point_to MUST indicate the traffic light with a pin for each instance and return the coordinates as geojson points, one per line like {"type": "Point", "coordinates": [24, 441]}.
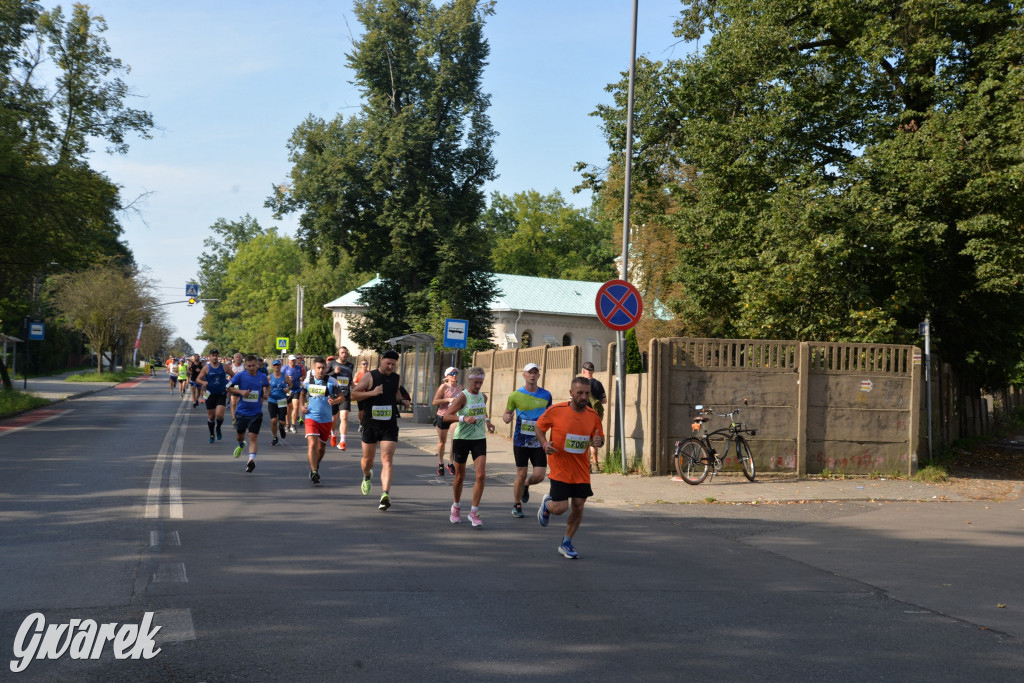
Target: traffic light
{"type": "Point", "coordinates": [192, 300]}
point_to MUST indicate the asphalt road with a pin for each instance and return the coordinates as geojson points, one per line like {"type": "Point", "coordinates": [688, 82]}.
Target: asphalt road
{"type": "Point", "coordinates": [265, 577]}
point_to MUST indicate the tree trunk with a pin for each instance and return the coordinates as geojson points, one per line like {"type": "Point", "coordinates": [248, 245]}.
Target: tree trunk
{"type": "Point", "coordinates": [5, 376]}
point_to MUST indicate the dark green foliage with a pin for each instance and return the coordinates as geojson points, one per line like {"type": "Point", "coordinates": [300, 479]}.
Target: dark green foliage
{"type": "Point", "coordinates": [634, 360]}
{"type": "Point", "coordinates": [847, 169]}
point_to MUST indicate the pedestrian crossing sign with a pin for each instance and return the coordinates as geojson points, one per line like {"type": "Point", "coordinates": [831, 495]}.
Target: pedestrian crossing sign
{"type": "Point", "coordinates": [191, 289]}
{"type": "Point", "coordinates": [282, 343]}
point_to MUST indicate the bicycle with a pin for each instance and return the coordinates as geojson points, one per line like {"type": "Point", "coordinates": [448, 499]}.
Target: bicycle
{"type": "Point", "coordinates": [695, 457]}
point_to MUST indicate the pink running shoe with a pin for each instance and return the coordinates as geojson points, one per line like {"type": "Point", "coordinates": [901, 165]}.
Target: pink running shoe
{"type": "Point", "coordinates": [456, 516]}
{"type": "Point", "coordinates": [475, 519]}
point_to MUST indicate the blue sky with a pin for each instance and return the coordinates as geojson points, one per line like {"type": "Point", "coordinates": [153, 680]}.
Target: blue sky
{"type": "Point", "coordinates": [228, 81]}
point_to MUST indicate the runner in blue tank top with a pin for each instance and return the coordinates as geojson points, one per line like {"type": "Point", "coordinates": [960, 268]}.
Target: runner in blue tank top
{"type": "Point", "coordinates": [319, 394]}
{"type": "Point", "coordinates": [213, 379]}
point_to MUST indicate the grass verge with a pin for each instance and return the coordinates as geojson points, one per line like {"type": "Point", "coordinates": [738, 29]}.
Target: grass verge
{"type": "Point", "coordinates": [93, 376]}
{"type": "Point", "coordinates": [15, 401]}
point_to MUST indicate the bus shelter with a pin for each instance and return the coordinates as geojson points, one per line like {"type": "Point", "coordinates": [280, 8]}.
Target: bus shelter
{"type": "Point", "coordinates": [417, 368]}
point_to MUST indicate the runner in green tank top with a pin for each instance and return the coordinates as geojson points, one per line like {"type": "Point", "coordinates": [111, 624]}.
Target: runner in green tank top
{"type": "Point", "coordinates": [469, 409]}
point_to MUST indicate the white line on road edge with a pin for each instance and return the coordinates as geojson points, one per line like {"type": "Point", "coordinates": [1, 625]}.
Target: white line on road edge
{"type": "Point", "coordinates": [174, 484]}
{"type": "Point", "coordinates": [153, 497]}
{"type": "Point", "coordinates": [170, 572]}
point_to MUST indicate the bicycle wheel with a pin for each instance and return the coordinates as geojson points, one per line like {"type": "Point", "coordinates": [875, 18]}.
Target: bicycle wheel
{"type": "Point", "coordinates": [746, 460]}
{"type": "Point", "coordinates": [692, 461]}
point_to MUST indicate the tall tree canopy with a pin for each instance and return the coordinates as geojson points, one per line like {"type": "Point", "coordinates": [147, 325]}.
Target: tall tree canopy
{"type": "Point", "coordinates": [60, 91]}
{"type": "Point", "coordinates": [544, 236]}
{"type": "Point", "coordinates": [852, 168]}
{"type": "Point", "coordinates": [399, 185]}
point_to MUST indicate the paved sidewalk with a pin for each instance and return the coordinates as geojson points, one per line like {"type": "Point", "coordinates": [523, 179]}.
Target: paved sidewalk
{"type": "Point", "coordinates": [54, 388]}
{"type": "Point", "coordinates": [618, 490]}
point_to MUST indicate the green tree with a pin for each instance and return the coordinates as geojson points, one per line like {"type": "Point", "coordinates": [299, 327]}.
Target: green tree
{"type": "Point", "coordinates": [219, 250]}
{"type": "Point", "coordinates": [259, 300]}
{"type": "Point", "coordinates": [856, 167]}
{"type": "Point", "coordinates": [544, 236]}
{"type": "Point", "coordinates": [106, 303]}
{"type": "Point", "coordinates": [60, 91]}
{"type": "Point", "coordinates": [634, 359]}
{"type": "Point", "coordinates": [399, 186]}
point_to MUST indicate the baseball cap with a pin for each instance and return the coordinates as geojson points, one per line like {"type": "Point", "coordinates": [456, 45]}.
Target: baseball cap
{"type": "Point", "coordinates": [330, 357]}
{"type": "Point", "coordinates": [214, 351]}
{"type": "Point", "coordinates": [588, 365]}
{"type": "Point", "coordinates": [531, 366]}
{"type": "Point", "coordinates": [291, 357]}
{"type": "Point", "coordinates": [277, 361]}
{"type": "Point", "coordinates": [451, 371]}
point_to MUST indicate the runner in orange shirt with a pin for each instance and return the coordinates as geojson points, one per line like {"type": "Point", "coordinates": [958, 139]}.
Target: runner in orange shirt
{"type": "Point", "coordinates": [574, 427]}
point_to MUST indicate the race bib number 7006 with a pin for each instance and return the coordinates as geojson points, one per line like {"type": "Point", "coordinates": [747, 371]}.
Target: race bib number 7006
{"type": "Point", "coordinates": [576, 443]}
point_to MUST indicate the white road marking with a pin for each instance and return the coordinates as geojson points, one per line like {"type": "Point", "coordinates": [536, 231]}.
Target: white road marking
{"type": "Point", "coordinates": [176, 626]}
{"type": "Point", "coordinates": [153, 497]}
{"type": "Point", "coordinates": [174, 484]}
{"type": "Point", "coordinates": [170, 572]}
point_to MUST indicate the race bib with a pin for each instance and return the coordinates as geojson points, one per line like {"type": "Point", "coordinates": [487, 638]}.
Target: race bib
{"type": "Point", "coordinates": [528, 427]}
{"type": "Point", "coordinates": [206, 394]}
{"type": "Point", "coordinates": [251, 397]}
{"type": "Point", "coordinates": [381, 412]}
{"type": "Point", "coordinates": [576, 443]}
{"type": "Point", "coordinates": [282, 403]}
{"type": "Point", "coordinates": [316, 390]}
{"type": "Point", "coordinates": [478, 411]}
{"type": "Point", "coordinates": [343, 381]}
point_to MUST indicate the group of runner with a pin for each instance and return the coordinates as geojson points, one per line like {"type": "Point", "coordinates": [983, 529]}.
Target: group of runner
{"type": "Point", "coordinates": [565, 431]}
{"type": "Point", "coordinates": [318, 398]}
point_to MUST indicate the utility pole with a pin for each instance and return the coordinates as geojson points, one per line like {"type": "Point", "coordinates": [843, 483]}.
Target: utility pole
{"type": "Point", "coordinates": [300, 295]}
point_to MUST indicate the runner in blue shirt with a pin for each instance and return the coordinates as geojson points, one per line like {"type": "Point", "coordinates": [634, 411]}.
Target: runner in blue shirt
{"type": "Point", "coordinates": [528, 403]}
{"type": "Point", "coordinates": [251, 387]}
{"type": "Point", "coordinates": [277, 403]}
{"type": "Point", "coordinates": [319, 394]}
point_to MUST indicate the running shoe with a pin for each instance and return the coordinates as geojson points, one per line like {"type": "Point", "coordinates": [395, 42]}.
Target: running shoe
{"type": "Point", "coordinates": [568, 552]}
{"type": "Point", "coordinates": [451, 468]}
{"type": "Point", "coordinates": [211, 438]}
{"type": "Point", "coordinates": [474, 517]}
{"type": "Point", "coordinates": [517, 511]}
{"type": "Point", "coordinates": [365, 486]}
{"type": "Point", "coordinates": [195, 404]}
{"type": "Point", "coordinates": [341, 445]}
{"type": "Point", "coordinates": [385, 502]}
{"type": "Point", "coordinates": [542, 512]}
{"type": "Point", "coordinates": [334, 441]}
{"type": "Point", "coordinates": [526, 494]}
{"type": "Point", "coordinates": [251, 466]}
{"type": "Point", "coordinates": [314, 477]}
{"type": "Point", "coordinates": [220, 435]}
{"type": "Point", "coordinates": [238, 451]}
{"type": "Point", "coordinates": [281, 427]}
{"type": "Point", "coordinates": [274, 441]}
{"type": "Point", "coordinates": [456, 516]}
{"type": "Point", "coordinates": [291, 429]}
{"type": "Point", "coordinates": [440, 470]}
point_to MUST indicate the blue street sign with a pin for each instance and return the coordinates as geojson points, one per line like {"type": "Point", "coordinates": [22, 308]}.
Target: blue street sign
{"type": "Point", "coordinates": [455, 333]}
{"type": "Point", "coordinates": [191, 289]}
{"type": "Point", "coordinates": [36, 331]}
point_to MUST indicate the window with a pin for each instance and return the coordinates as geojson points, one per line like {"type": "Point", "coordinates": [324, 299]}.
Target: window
{"type": "Point", "coordinates": [527, 340]}
{"type": "Point", "coordinates": [566, 339]}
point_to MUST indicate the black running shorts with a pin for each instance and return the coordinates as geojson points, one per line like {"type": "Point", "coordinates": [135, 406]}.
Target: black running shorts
{"type": "Point", "coordinates": [214, 400]}
{"type": "Point", "coordinates": [462, 448]}
{"type": "Point", "coordinates": [525, 455]}
{"type": "Point", "coordinates": [380, 430]}
{"type": "Point", "coordinates": [248, 423]}
{"type": "Point", "coordinates": [562, 491]}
